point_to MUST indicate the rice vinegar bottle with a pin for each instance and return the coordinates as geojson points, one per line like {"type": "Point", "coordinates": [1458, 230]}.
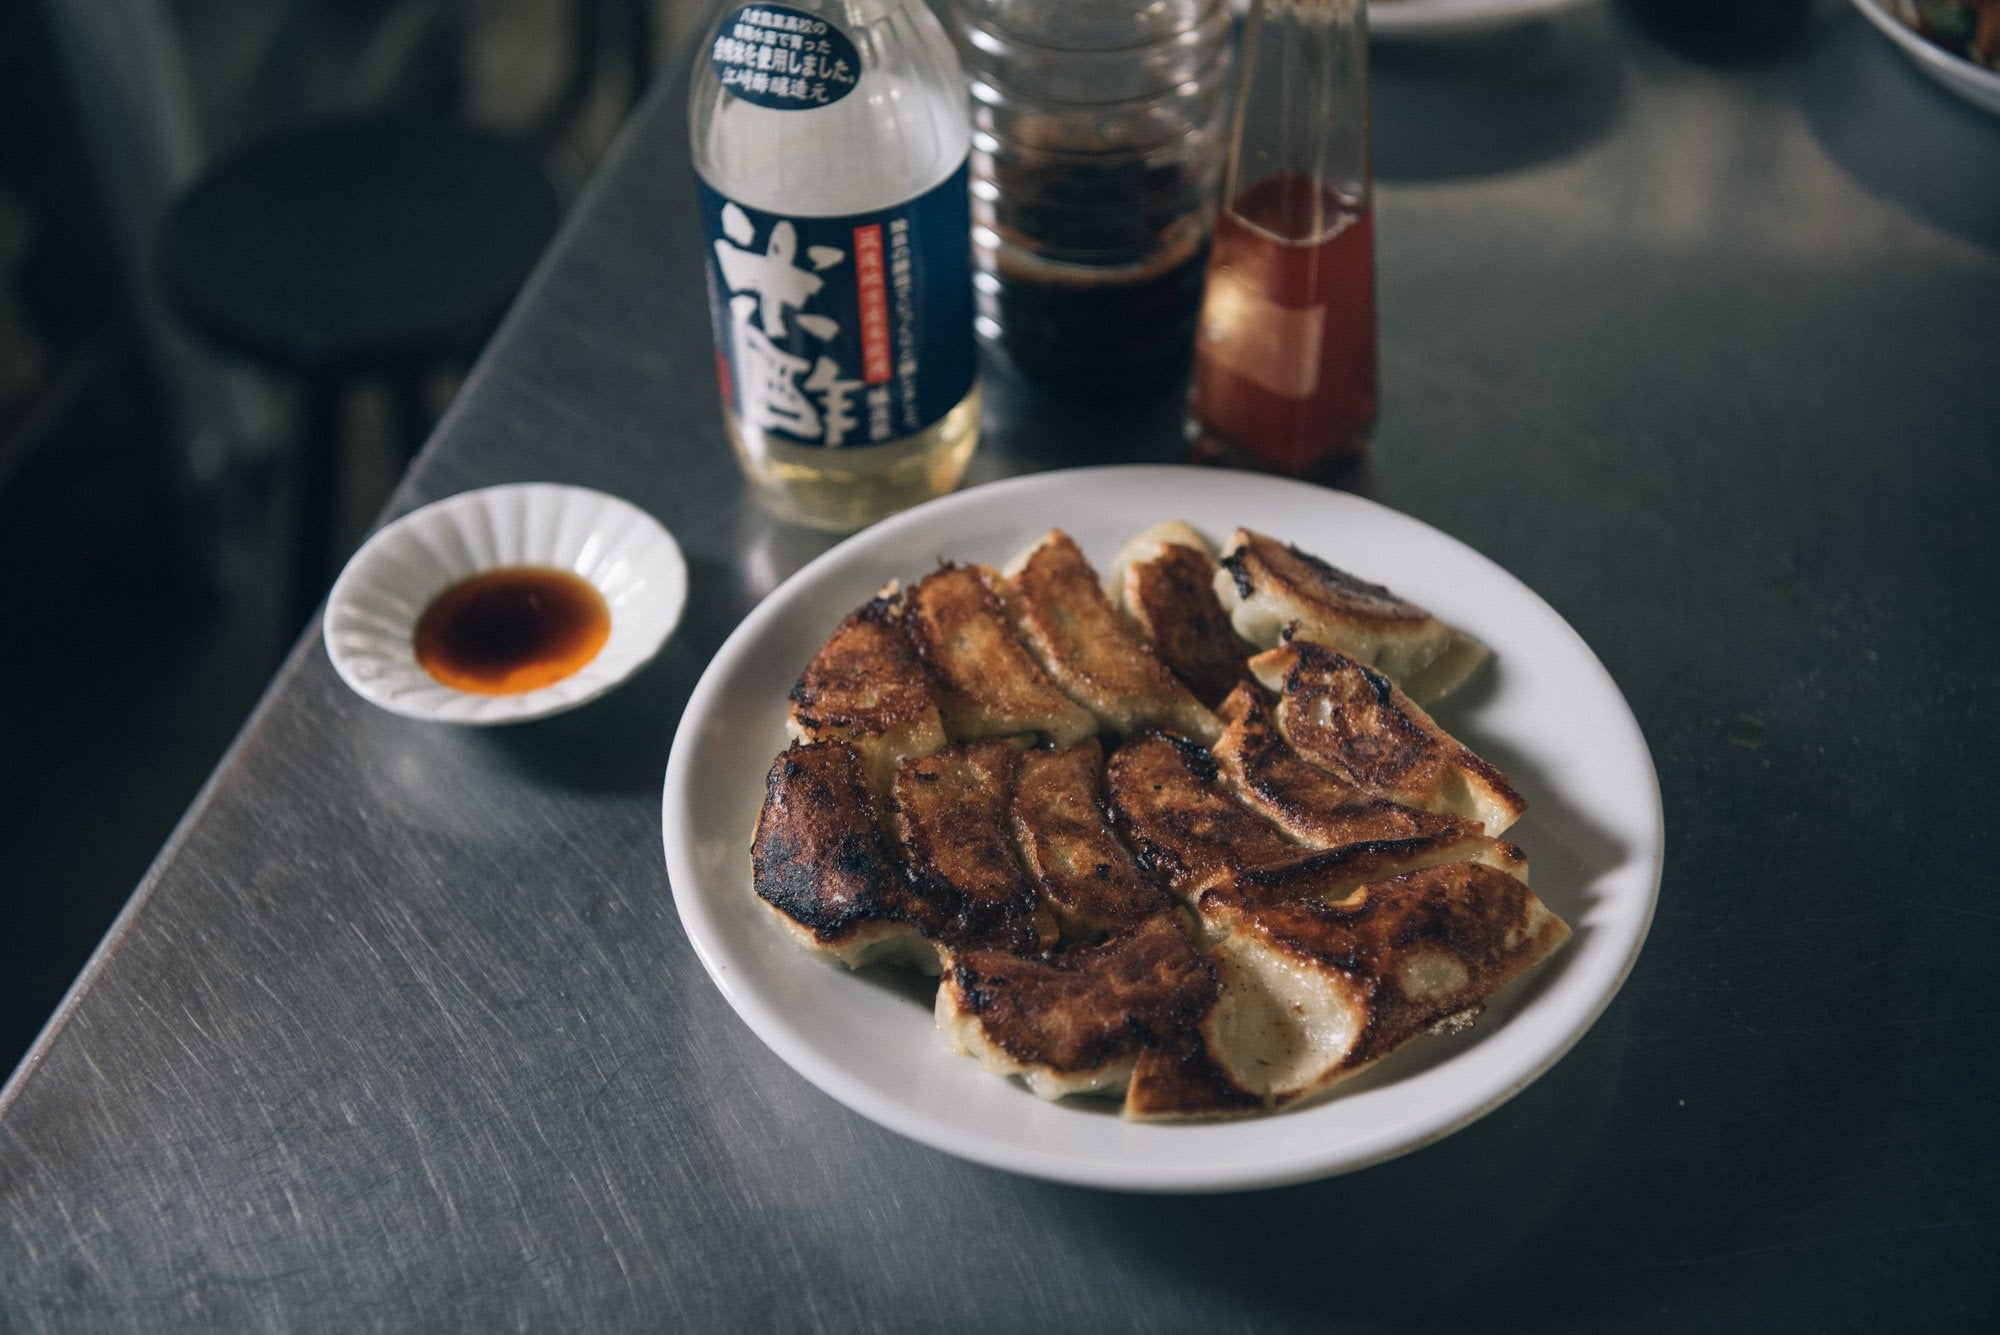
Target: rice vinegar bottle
{"type": "Point", "coordinates": [830, 140]}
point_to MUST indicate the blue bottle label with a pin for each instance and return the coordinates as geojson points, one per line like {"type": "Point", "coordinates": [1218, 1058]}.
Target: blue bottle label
{"type": "Point", "coordinates": [784, 58]}
{"type": "Point", "coordinates": [844, 331]}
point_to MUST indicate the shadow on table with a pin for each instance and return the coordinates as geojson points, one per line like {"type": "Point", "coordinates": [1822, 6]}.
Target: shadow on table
{"type": "Point", "coordinates": [1493, 102]}
{"type": "Point", "coordinates": [1442, 1232]}
{"type": "Point", "coordinates": [1899, 134]}
{"type": "Point", "coordinates": [618, 743]}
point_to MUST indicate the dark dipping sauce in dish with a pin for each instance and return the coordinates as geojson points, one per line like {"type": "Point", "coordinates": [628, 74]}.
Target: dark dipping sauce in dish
{"type": "Point", "coordinates": [511, 630]}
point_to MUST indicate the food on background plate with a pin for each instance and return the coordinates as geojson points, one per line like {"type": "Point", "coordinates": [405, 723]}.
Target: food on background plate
{"type": "Point", "coordinates": [1966, 28]}
{"type": "Point", "coordinates": [1180, 836]}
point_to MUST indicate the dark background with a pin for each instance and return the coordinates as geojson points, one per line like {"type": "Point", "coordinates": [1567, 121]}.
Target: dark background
{"type": "Point", "coordinates": [146, 477]}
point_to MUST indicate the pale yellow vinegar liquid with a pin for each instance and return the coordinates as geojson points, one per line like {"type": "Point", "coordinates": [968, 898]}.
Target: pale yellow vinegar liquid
{"type": "Point", "coordinates": [843, 489]}
{"type": "Point", "coordinates": [904, 130]}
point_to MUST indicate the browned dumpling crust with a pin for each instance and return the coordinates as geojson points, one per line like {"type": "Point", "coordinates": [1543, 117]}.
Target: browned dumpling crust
{"type": "Point", "coordinates": [950, 814]}
{"type": "Point", "coordinates": [1187, 832]}
{"type": "Point", "coordinates": [1311, 804]}
{"type": "Point", "coordinates": [865, 686]}
{"type": "Point", "coordinates": [986, 682]}
{"type": "Point", "coordinates": [1089, 878]}
{"type": "Point", "coordinates": [1077, 1022]}
{"type": "Point", "coordinates": [1169, 592]}
{"type": "Point", "coordinates": [1355, 722]}
{"type": "Point", "coordinates": [820, 862]}
{"type": "Point", "coordinates": [1091, 651]}
{"type": "Point", "coordinates": [1326, 875]}
{"type": "Point", "coordinates": [1276, 592]}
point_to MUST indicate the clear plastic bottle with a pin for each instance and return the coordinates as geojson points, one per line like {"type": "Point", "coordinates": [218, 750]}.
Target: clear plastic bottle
{"type": "Point", "coordinates": [831, 141]}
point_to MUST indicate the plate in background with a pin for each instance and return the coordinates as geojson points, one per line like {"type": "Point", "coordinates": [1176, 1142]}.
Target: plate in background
{"type": "Point", "coordinates": [1975, 83]}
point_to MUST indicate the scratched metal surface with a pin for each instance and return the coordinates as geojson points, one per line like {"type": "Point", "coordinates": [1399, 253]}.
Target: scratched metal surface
{"type": "Point", "coordinates": [402, 1032]}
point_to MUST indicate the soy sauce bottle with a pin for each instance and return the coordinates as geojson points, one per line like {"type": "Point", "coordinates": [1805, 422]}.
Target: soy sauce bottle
{"type": "Point", "coordinates": [830, 139]}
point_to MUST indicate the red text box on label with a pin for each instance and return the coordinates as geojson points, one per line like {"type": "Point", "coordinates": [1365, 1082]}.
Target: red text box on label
{"type": "Point", "coordinates": [871, 287]}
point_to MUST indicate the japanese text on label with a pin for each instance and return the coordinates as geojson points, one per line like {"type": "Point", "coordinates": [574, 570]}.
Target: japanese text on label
{"type": "Point", "coordinates": [805, 397]}
{"type": "Point", "coordinates": [781, 58]}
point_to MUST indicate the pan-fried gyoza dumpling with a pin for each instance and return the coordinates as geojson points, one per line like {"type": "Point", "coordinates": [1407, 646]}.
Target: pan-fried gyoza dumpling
{"type": "Point", "coordinates": [1276, 592]}
{"type": "Point", "coordinates": [1094, 654]}
{"type": "Point", "coordinates": [866, 687]}
{"type": "Point", "coordinates": [1087, 876]}
{"type": "Point", "coordinates": [820, 863]}
{"type": "Point", "coordinates": [1313, 805]}
{"type": "Point", "coordinates": [987, 684]}
{"type": "Point", "coordinates": [951, 817]}
{"type": "Point", "coordinates": [1331, 874]}
{"type": "Point", "coordinates": [1164, 579]}
{"type": "Point", "coordinates": [1314, 991]}
{"type": "Point", "coordinates": [1186, 831]}
{"type": "Point", "coordinates": [1076, 1023]}
{"type": "Point", "coordinates": [1353, 721]}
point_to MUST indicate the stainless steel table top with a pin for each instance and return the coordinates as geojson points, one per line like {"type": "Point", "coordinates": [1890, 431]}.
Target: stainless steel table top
{"type": "Point", "coordinates": [402, 1031]}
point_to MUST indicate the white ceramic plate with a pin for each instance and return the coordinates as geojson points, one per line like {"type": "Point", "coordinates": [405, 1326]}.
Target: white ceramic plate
{"type": "Point", "coordinates": [1974, 83]}
{"type": "Point", "coordinates": [622, 550]}
{"type": "Point", "coordinates": [1450, 18]}
{"type": "Point", "coordinates": [1544, 711]}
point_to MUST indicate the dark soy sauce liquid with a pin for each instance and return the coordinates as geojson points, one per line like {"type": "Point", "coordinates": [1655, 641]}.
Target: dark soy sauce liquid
{"type": "Point", "coordinates": [512, 630]}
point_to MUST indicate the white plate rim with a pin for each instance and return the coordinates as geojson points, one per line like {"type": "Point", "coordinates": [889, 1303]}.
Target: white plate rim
{"type": "Point", "coordinates": [951, 1105]}
{"type": "Point", "coordinates": [1974, 83]}
{"type": "Point", "coordinates": [624, 551]}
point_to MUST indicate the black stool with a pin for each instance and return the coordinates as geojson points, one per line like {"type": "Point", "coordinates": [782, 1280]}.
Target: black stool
{"type": "Point", "coordinates": [380, 249]}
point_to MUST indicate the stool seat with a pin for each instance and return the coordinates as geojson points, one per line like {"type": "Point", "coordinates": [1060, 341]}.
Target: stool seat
{"type": "Point", "coordinates": [360, 246]}
{"type": "Point", "coordinates": [383, 248]}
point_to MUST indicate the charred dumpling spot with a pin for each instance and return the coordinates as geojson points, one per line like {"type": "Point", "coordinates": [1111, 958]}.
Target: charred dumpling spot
{"type": "Point", "coordinates": [819, 862]}
{"type": "Point", "coordinates": [1184, 1081]}
{"type": "Point", "coordinates": [1187, 832]}
{"type": "Point", "coordinates": [1164, 579]}
{"type": "Point", "coordinates": [1089, 649]}
{"type": "Point", "coordinates": [950, 814]}
{"type": "Point", "coordinates": [1329, 875]}
{"type": "Point", "coordinates": [1077, 1022]}
{"type": "Point", "coordinates": [1354, 722]}
{"type": "Point", "coordinates": [1314, 991]}
{"type": "Point", "coordinates": [986, 683]}
{"type": "Point", "coordinates": [1311, 804]}
{"type": "Point", "coordinates": [1276, 592]}
{"type": "Point", "coordinates": [866, 687]}
{"type": "Point", "coordinates": [1087, 876]}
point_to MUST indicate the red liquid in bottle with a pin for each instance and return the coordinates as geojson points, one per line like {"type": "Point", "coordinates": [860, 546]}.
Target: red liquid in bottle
{"type": "Point", "coordinates": [1285, 370]}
